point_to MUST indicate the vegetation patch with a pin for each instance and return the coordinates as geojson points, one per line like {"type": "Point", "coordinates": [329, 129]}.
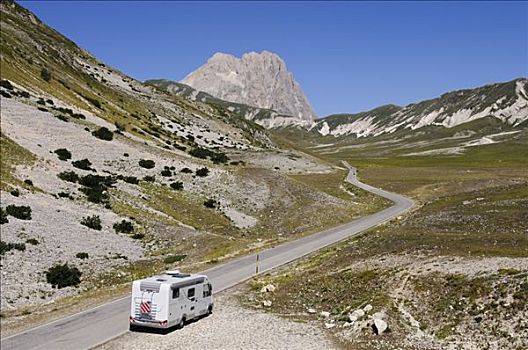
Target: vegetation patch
{"type": "Point", "coordinates": [22, 212]}
{"type": "Point", "coordinates": [93, 222]}
{"type": "Point", "coordinates": [103, 133]}
{"type": "Point", "coordinates": [62, 275]}
{"type": "Point", "coordinates": [171, 259]}
{"type": "Point", "coordinates": [147, 163]}
{"type": "Point", "coordinates": [5, 247]}
{"type": "Point", "coordinates": [69, 176]}
{"type": "Point", "coordinates": [123, 226]}
{"type": "Point", "coordinates": [176, 185]}
{"type": "Point", "coordinates": [202, 172]}
{"type": "Point", "coordinates": [83, 164]}
{"type": "Point", "coordinates": [63, 154]}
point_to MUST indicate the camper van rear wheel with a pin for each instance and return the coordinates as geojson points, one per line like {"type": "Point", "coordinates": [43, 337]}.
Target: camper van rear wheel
{"type": "Point", "coordinates": [182, 323]}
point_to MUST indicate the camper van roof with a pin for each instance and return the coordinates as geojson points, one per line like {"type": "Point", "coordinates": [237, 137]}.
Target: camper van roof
{"type": "Point", "coordinates": [171, 277]}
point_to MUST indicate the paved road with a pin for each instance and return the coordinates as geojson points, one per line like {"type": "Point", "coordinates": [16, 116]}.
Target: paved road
{"type": "Point", "coordinates": [95, 326]}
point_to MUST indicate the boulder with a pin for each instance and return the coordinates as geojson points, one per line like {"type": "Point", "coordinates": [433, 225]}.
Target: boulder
{"type": "Point", "coordinates": [367, 308]}
{"type": "Point", "coordinates": [268, 288]}
{"type": "Point", "coordinates": [379, 315]}
{"type": "Point", "coordinates": [311, 311]}
{"type": "Point", "coordinates": [379, 326]}
{"type": "Point", "coordinates": [329, 325]}
{"type": "Point", "coordinates": [358, 313]}
{"type": "Point", "coordinates": [348, 324]}
{"type": "Point", "coordinates": [267, 303]}
{"type": "Point", "coordinates": [325, 314]}
{"type": "Point", "coordinates": [352, 317]}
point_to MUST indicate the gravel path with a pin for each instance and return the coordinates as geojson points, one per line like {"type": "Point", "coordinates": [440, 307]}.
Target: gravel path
{"type": "Point", "coordinates": [231, 326]}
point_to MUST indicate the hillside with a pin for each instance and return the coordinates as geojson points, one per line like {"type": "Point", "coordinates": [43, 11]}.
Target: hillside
{"type": "Point", "coordinates": [120, 179]}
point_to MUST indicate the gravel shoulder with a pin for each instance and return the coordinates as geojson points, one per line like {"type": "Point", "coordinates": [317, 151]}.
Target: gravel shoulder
{"type": "Point", "coordinates": [231, 326]}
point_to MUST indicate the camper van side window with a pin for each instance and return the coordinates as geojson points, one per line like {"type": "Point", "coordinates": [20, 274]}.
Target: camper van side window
{"type": "Point", "coordinates": [175, 293]}
{"type": "Point", "coordinates": [190, 292]}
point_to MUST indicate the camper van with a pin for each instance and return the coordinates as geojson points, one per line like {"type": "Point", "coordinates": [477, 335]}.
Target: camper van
{"type": "Point", "coordinates": [169, 300]}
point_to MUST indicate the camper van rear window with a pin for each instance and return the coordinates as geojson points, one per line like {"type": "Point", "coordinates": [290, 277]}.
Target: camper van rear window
{"type": "Point", "coordinates": [149, 287]}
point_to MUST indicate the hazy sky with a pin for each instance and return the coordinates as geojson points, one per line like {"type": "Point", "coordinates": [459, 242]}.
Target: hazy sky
{"type": "Point", "coordinates": [347, 56]}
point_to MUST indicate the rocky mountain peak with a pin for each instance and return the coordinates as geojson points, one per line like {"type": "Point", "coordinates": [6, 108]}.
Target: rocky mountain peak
{"type": "Point", "coordinates": [256, 79]}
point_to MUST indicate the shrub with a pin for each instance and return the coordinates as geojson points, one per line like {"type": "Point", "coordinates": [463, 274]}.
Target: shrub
{"type": "Point", "coordinates": [177, 185]}
{"type": "Point", "coordinates": [147, 163]}
{"type": "Point", "coordinates": [103, 134]}
{"type": "Point", "coordinates": [63, 153]}
{"type": "Point", "coordinates": [82, 255]}
{"type": "Point", "coordinates": [174, 258]}
{"type": "Point", "coordinates": [137, 236]}
{"type": "Point", "coordinates": [5, 247]}
{"type": "Point", "coordinates": [202, 172]}
{"type": "Point", "coordinates": [41, 101]}
{"type": "Point", "coordinates": [91, 180]}
{"type": "Point", "coordinates": [166, 172]}
{"type": "Point", "coordinates": [186, 171]}
{"type": "Point", "coordinates": [6, 84]}
{"type": "Point", "coordinates": [83, 164]}
{"type": "Point", "coordinates": [32, 241]}
{"type": "Point", "coordinates": [126, 155]}
{"type": "Point", "coordinates": [3, 217]}
{"type": "Point", "coordinates": [15, 192]}
{"type": "Point", "coordinates": [93, 222]}
{"type": "Point", "coordinates": [131, 180]}
{"type": "Point", "coordinates": [70, 176]}
{"type": "Point", "coordinates": [28, 182]}
{"type": "Point", "coordinates": [149, 178]}
{"type": "Point", "coordinates": [124, 226]}
{"type": "Point", "coordinates": [219, 158]}
{"type": "Point", "coordinates": [210, 203]}
{"type": "Point", "coordinates": [64, 195]}
{"type": "Point", "coordinates": [45, 74]}
{"type": "Point", "coordinates": [61, 117]}
{"type": "Point", "coordinates": [60, 276]}
{"type": "Point", "coordinates": [95, 194]}
{"type": "Point", "coordinates": [22, 212]}
{"type": "Point", "coordinates": [200, 152]}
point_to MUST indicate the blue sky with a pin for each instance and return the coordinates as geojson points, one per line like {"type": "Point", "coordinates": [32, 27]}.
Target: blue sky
{"type": "Point", "coordinates": [347, 56]}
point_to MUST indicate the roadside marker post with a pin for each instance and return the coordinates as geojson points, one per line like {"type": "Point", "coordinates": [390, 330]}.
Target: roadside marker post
{"type": "Point", "coordinates": [257, 264]}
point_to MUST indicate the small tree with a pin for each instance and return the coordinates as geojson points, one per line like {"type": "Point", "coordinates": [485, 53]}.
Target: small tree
{"type": "Point", "coordinates": [103, 134]}
{"type": "Point", "coordinates": [82, 255]}
{"type": "Point", "coordinates": [70, 176]}
{"type": "Point", "coordinates": [202, 172]}
{"type": "Point", "coordinates": [166, 172]}
{"type": "Point", "coordinates": [60, 276]}
{"type": "Point", "coordinates": [186, 171]}
{"type": "Point", "coordinates": [147, 163]}
{"type": "Point", "coordinates": [83, 164]}
{"type": "Point", "coordinates": [93, 222]}
{"type": "Point", "coordinates": [63, 153]}
{"type": "Point", "coordinates": [177, 185]}
{"type": "Point", "coordinates": [210, 203]}
{"type": "Point", "coordinates": [22, 212]}
{"type": "Point", "coordinates": [124, 226]}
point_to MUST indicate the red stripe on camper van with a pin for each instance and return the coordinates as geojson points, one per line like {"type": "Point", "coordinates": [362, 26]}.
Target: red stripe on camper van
{"type": "Point", "coordinates": [145, 307]}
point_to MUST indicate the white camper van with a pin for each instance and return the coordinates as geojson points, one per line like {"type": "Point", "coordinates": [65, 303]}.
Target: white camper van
{"type": "Point", "coordinates": [170, 299]}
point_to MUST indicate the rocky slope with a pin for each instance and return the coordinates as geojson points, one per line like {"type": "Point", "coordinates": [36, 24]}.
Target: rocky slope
{"type": "Point", "coordinates": [507, 102]}
{"type": "Point", "coordinates": [85, 147]}
{"type": "Point", "coordinates": [256, 79]}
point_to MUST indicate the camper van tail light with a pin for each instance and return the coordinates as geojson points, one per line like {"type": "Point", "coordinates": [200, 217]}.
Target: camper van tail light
{"type": "Point", "coordinates": [132, 319]}
{"type": "Point", "coordinates": [163, 323]}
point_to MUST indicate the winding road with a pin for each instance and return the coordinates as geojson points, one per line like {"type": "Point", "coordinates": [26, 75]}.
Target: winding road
{"type": "Point", "coordinates": [98, 325]}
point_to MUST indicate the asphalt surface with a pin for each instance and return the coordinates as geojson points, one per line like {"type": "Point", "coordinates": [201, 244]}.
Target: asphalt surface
{"type": "Point", "coordinates": [95, 326]}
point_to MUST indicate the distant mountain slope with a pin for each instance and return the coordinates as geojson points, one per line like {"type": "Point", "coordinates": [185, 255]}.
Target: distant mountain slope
{"type": "Point", "coordinates": [256, 79]}
{"type": "Point", "coordinates": [268, 118]}
{"type": "Point", "coordinates": [508, 102]}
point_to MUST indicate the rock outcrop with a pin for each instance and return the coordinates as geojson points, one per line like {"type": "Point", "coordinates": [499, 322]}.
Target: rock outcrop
{"type": "Point", "coordinates": [256, 79]}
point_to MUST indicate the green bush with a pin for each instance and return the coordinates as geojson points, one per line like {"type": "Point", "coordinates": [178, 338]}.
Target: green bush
{"type": "Point", "coordinates": [137, 236]}
{"type": "Point", "coordinates": [147, 163]}
{"type": "Point", "coordinates": [186, 171]}
{"type": "Point", "coordinates": [177, 185]}
{"type": "Point", "coordinates": [83, 164]}
{"type": "Point", "coordinates": [131, 180]}
{"type": "Point", "coordinates": [3, 217]}
{"type": "Point", "coordinates": [45, 74]}
{"type": "Point", "coordinates": [22, 212]}
{"type": "Point", "coordinates": [124, 226]}
{"type": "Point", "coordinates": [6, 84]}
{"type": "Point", "coordinates": [91, 180]}
{"type": "Point", "coordinates": [210, 203]}
{"type": "Point", "coordinates": [15, 192]}
{"type": "Point", "coordinates": [70, 176]}
{"type": "Point", "coordinates": [64, 195]}
{"type": "Point", "coordinates": [82, 255]}
{"type": "Point", "coordinates": [174, 258]}
{"type": "Point", "coordinates": [149, 178]}
{"type": "Point", "coordinates": [93, 222]}
{"type": "Point", "coordinates": [95, 194]}
{"type": "Point", "coordinates": [200, 152]}
{"type": "Point", "coordinates": [5, 247]}
{"type": "Point", "coordinates": [63, 153]}
{"type": "Point", "coordinates": [60, 276]}
{"type": "Point", "coordinates": [32, 241]}
{"type": "Point", "coordinates": [166, 173]}
{"type": "Point", "coordinates": [28, 182]}
{"type": "Point", "coordinates": [219, 158]}
{"type": "Point", "coordinates": [202, 172]}
{"type": "Point", "coordinates": [103, 134]}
